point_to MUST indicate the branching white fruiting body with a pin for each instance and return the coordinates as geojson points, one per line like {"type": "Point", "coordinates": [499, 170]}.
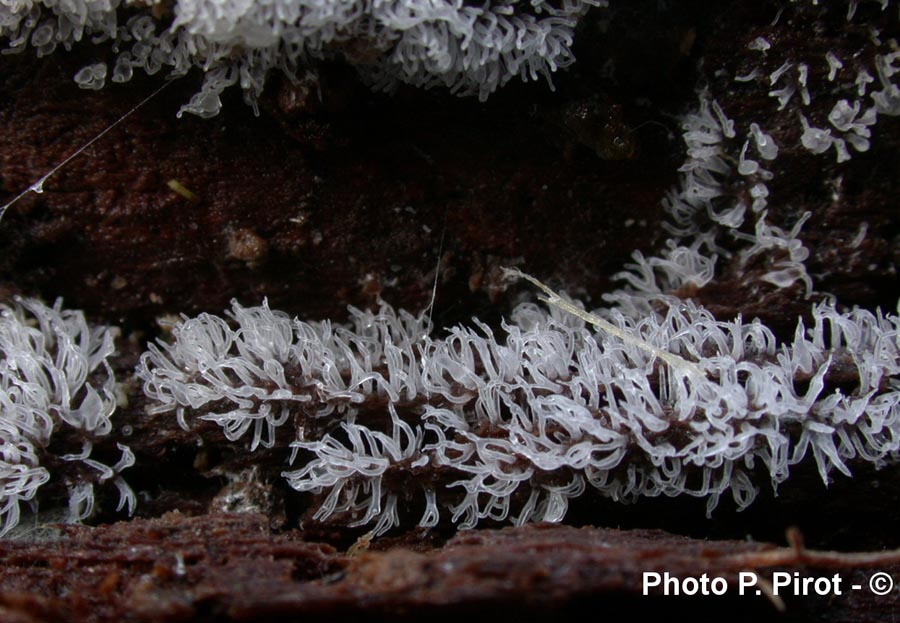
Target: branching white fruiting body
{"type": "Point", "coordinates": [54, 378]}
{"type": "Point", "coordinates": [512, 428]}
{"type": "Point", "coordinates": [468, 47]}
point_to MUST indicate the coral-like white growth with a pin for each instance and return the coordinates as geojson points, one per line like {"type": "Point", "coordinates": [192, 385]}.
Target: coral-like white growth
{"type": "Point", "coordinates": [725, 178]}
{"type": "Point", "coordinates": [468, 47]}
{"type": "Point", "coordinates": [850, 118]}
{"type": "Point", "coordinates": [55, 385]}
{"type": "Point", "coordinates": [512, 427]}
{"type": "Point", "coordinates": [257, 375]}
{"type": "Point", "coordinates": [725, 169]}
{"type": "Point", "coordinates": [477, 425]}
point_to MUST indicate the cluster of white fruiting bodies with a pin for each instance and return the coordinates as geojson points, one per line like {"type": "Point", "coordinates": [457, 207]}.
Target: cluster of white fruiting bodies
{"type": "Point", "coordinates": [56, 388]}
{"type": "Point", "coordinates": [474, 425]}
{"type": "Point", "coordinates": [386, 419]}
{"type": "Point", "coordinates": [468, 47]}
{"type": "Point", "coordinates": [513, 426]}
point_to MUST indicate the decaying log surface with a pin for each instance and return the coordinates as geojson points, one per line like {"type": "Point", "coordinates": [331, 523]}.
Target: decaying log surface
{"type": "Point", "coordinates": [232, 568]}
{"type": "Point", "coordinates": [312, 225]}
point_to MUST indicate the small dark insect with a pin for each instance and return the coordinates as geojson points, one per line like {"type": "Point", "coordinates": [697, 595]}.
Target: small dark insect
{"type": "Point", "coordinates": [596, 122]}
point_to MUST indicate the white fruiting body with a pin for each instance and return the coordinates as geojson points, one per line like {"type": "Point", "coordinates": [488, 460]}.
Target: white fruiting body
{"type": "Point", "coordinates": [54, 379]}
{"type": "Point", "coordinates": [511, 428]}
{"type": "Point", "coordinates": [470, 48]}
